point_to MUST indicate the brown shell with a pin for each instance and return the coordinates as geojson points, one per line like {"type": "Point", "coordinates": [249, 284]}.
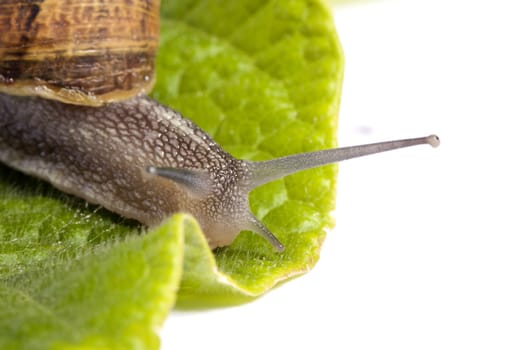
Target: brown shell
{"type": "Point", "coordinates": [78, 51]}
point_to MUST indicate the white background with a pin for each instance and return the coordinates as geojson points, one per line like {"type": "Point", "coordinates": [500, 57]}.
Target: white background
{"type": "Point", "coordinates": [429, 247]}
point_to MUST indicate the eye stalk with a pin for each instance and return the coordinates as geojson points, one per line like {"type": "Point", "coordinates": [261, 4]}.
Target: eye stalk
{"type": "Point", "coordinates": [273, 169]}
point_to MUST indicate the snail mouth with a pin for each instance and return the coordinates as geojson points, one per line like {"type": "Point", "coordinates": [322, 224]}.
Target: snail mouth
{"type": "Point", "coordinates": [222, 230]}
{"type": "Point", "coordinates": [218, 234]}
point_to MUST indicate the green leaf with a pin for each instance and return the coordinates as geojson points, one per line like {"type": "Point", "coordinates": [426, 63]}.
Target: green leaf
{"type": "Point", "coordinates": [71, 279]}
{"type": "Point", "coordinates": [264, 79]}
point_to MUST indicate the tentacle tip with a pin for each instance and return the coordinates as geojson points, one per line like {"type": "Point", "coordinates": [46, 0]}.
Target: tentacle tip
{"type": "Point", "coordinates": [151, 169]}
{"type": "Point", "coordinates": [259, 228]}
{"type": "Point", "coordinates": [278, 246]}
{"type": "Point", "coordinates": [433, 140]}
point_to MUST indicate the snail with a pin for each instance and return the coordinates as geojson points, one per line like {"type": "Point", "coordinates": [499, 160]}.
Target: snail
{"type": "Point", "coordinates": [74, 111]}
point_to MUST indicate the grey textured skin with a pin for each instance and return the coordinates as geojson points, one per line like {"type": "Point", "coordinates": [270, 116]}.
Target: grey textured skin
{"type": "Point", "coordinates": [100, 154]}
{"type": "Point", "coordinates": [145, 161]}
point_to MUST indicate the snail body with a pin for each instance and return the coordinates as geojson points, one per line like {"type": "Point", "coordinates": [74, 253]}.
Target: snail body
{"type": "Point", "coordinates": [107, 142]}
{"type": "Point", "coordinates": [145, 161]}
{"type": "Point", "coordinates": [102, 155]}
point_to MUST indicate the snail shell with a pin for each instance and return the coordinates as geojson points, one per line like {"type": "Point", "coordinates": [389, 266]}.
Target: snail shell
{"type": "Point", "coordinates": [86, 52]}
{"type": "Point", "coordinates": [73, 112]}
